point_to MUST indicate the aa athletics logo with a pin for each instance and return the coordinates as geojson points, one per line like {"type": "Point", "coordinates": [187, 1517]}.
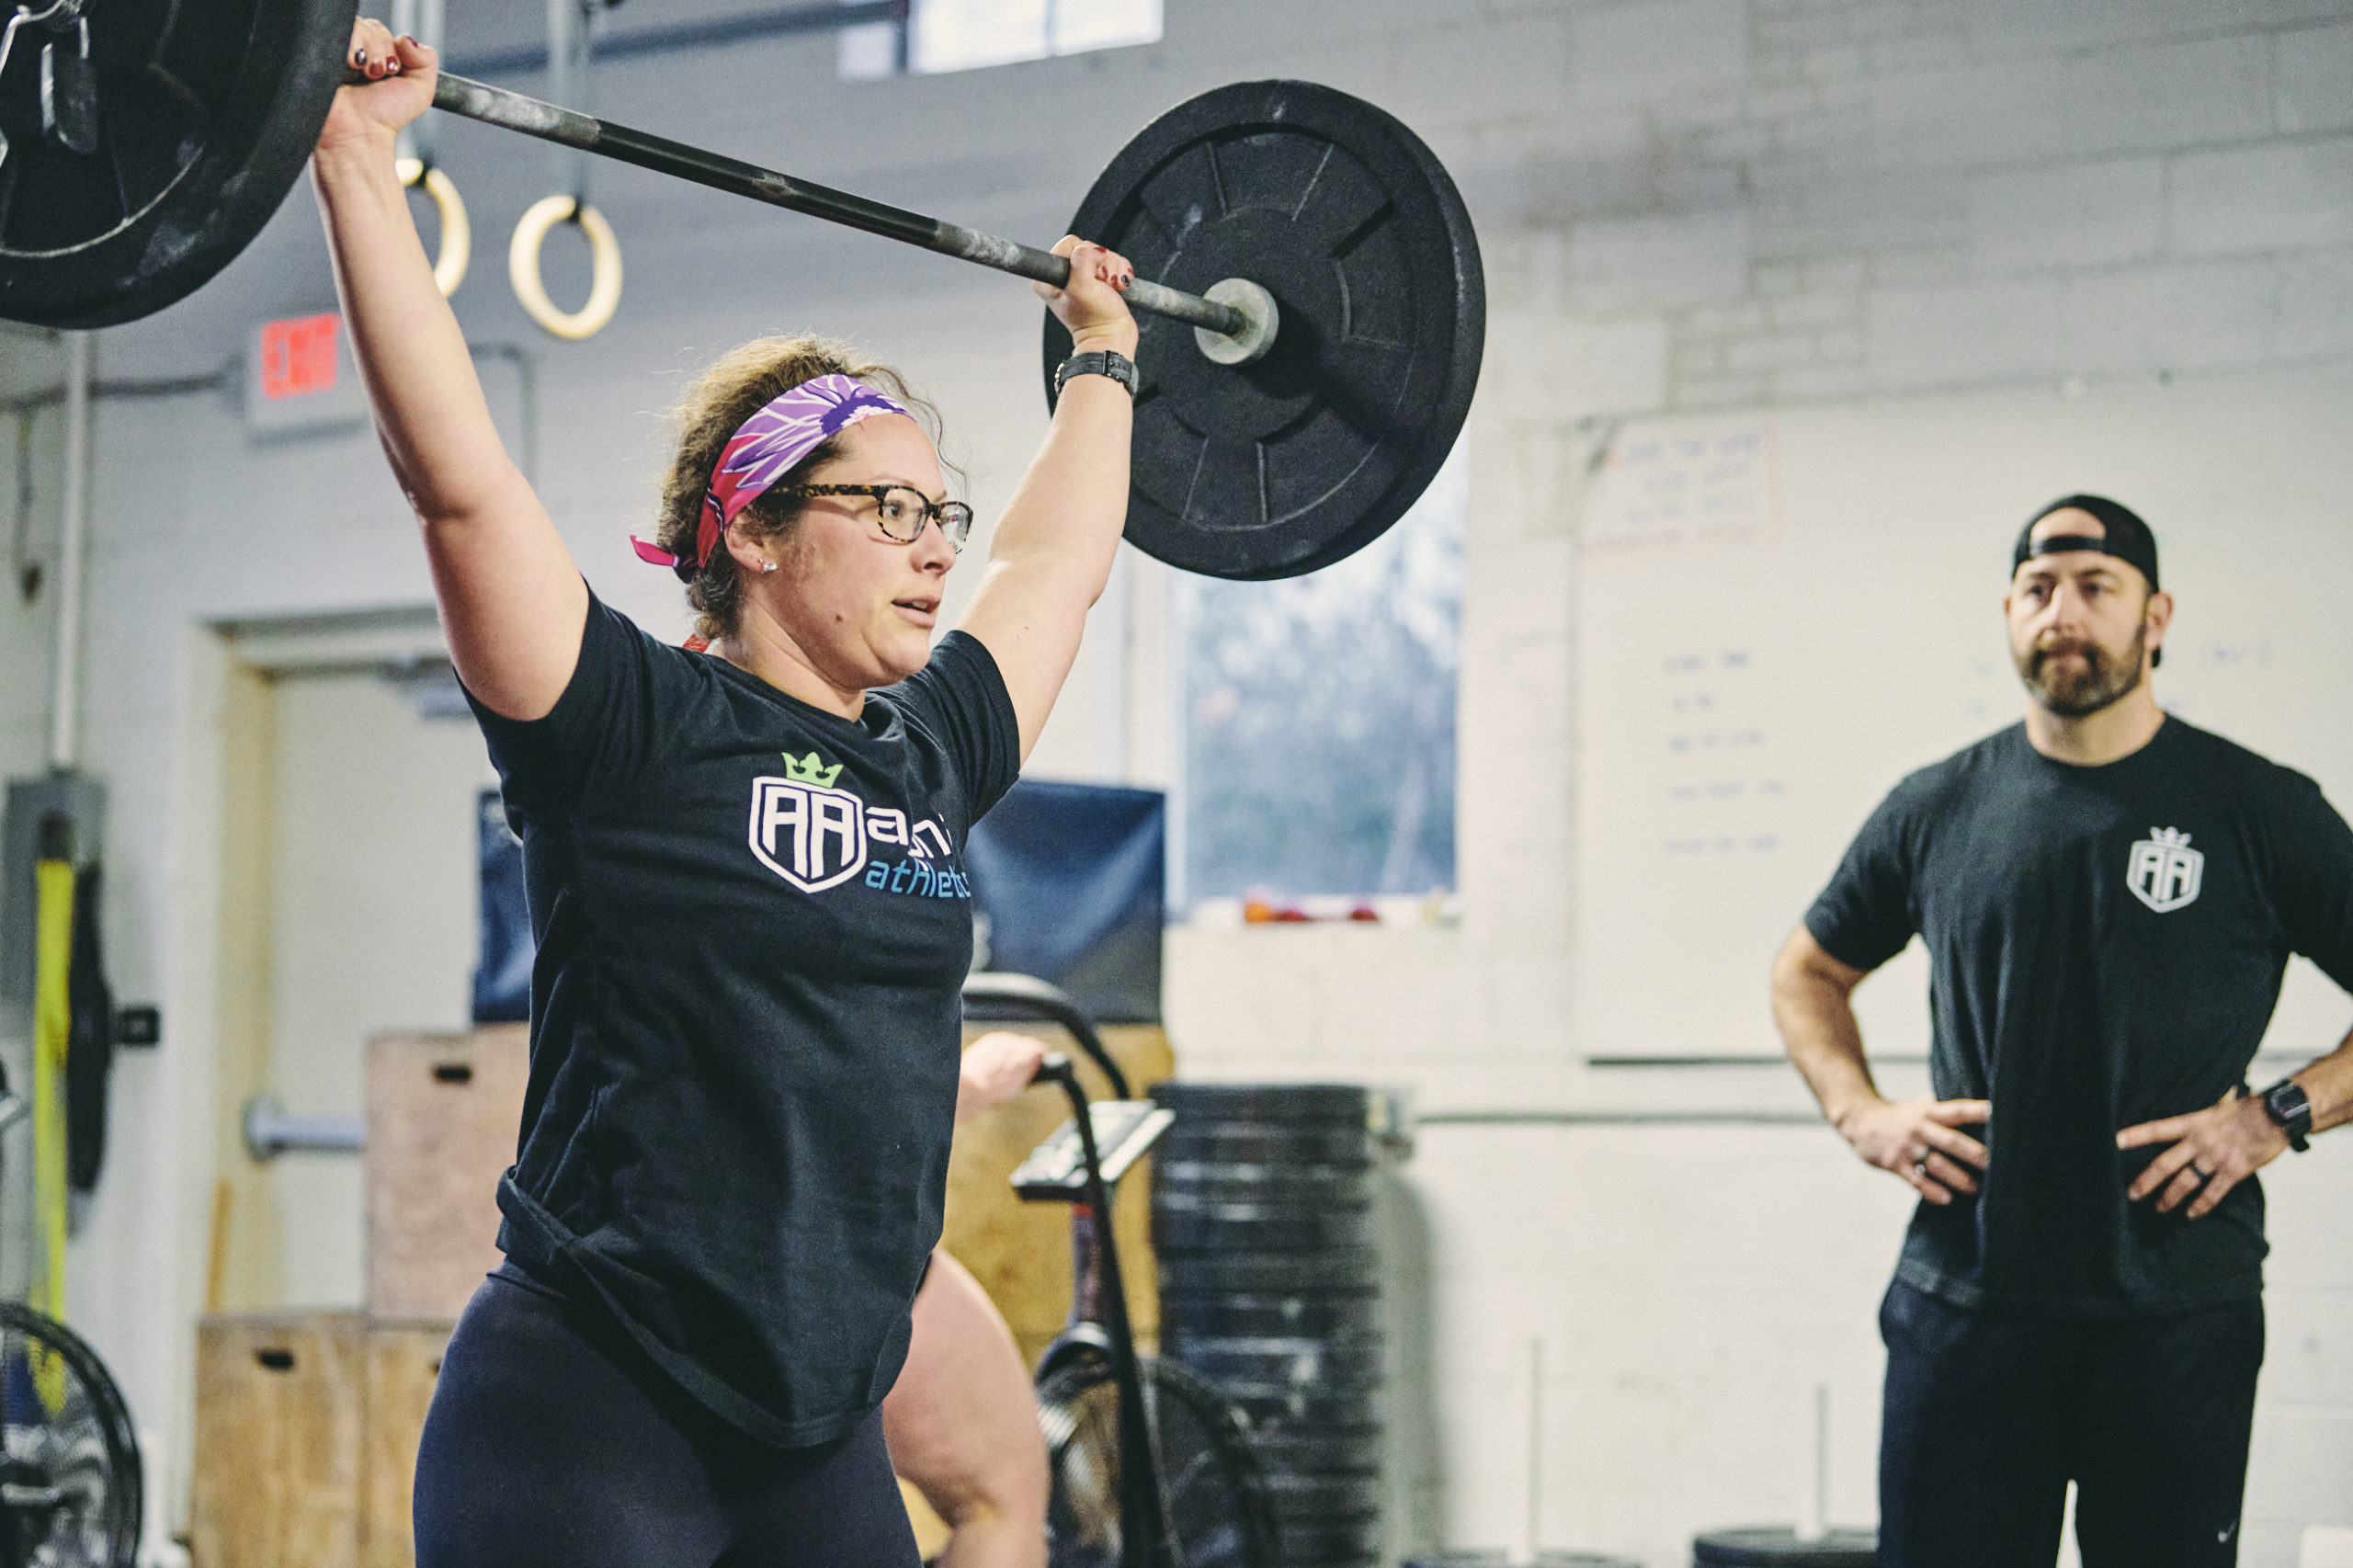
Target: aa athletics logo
{"type": "Point", "coordinates": [805, 830]}
{"type": "Point", "coordinates": [2164, 871]}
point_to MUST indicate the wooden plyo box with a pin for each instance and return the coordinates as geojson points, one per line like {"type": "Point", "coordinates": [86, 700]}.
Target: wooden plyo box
{"type": "Point", "coordinates": [306, 1430]}
{"type": "Point", "coordinates": [443, 1115]}
{"type": "Point", "coordinates": [404, 1361]}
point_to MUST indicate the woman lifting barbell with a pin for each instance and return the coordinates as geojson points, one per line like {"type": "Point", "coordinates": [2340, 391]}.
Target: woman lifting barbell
{"type": "Point", "coordinates": [744, 1062]}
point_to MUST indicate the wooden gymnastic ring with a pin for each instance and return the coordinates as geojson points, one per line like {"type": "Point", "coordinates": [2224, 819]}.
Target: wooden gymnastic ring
{"type": "Point", "coordinates": [605, 278]}
{"type": "Point", "coordinates": [457, 233]}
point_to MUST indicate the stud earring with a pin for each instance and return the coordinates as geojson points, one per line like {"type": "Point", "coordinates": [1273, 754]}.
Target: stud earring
{"type": "Point", "coordinates": [768, 565]}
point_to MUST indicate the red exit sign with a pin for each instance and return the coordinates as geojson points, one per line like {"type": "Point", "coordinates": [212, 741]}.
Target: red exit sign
{"type": "Point", "coordinates": [298, 356]}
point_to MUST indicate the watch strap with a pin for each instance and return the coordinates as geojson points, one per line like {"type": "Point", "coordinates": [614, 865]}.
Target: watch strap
{"type": "Point", "coordinates": [1101, 362]}
{"type": "Point", "coordinates": [2292, 1110]}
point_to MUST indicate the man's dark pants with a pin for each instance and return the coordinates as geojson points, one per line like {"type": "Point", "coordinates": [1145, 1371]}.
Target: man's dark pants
{"type": "Point", "coordinates": [1987, 1419]}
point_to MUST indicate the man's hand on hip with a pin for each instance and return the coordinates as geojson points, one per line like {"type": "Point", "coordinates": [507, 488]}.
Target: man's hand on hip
{"type": "Point", "coordinates": [1916, 1140]}
{"type": "Point", "coordinates": [2214, 1151]}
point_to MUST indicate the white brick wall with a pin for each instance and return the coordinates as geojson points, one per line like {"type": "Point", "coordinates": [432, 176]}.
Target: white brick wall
{"type": "Point", "coordinates": [1683, 203]}
{"type": "Point", "coordinates": [2283, 196]}
{"type": "Point", "coordinates": [2313, 79]}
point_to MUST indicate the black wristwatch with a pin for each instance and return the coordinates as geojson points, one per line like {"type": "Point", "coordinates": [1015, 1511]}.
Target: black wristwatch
{"type": "Point", "coordinates": [1102, 363]}
{"type": "Point", "coordinates": [2291, 1109]}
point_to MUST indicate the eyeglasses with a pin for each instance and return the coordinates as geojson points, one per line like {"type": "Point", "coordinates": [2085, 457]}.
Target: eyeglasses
{"type": "Point", "coordinates": [900, 511]}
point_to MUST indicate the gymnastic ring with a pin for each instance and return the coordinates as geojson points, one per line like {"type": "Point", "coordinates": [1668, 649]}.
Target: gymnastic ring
{"type": "Point", "coordinates": [457, 234]}
{"type": "Point", "coordinates": [605, 278]}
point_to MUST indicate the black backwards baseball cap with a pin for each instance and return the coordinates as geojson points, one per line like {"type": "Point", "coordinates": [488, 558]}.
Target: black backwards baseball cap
{"type": "Point", "coordinates": [2128, 538]}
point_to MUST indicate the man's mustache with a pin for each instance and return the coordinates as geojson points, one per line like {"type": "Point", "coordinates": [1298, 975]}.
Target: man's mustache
{"type": "Point", "coordinates": [2052, 649]}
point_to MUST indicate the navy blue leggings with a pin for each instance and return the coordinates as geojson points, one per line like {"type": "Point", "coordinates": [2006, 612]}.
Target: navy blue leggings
{"type": "Point", "coordinates": [551, 1442]}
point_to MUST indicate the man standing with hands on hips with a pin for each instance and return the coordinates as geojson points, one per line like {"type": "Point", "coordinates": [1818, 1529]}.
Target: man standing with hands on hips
{"type": "Point", "coordinates": [2109, 897]}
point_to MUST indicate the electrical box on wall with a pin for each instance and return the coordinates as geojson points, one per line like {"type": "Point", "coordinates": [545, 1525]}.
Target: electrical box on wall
{"type": "Point", "coordinates": [38, 809]}
{"type": "Point", "coordinates": [301, 376]}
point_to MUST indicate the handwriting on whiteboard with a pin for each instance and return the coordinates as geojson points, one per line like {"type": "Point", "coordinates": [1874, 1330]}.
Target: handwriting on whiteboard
{"type": "Point", "coordinates": [1719, 780]}
{"type": "Point", "coordinates": [1701, 485]}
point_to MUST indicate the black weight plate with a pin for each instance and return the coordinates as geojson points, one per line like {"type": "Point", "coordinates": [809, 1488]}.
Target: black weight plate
{"type": "Point", "coordinates": [206, 111]}
{"type": "Point", "coordinates": [1216, 1204]}
{"type": "Point", "coordinates": [1227, 1205]}
{"type": "Point", "coordinates": [1267, 1144]}
{"type": "Point", "coordinates": [1278, 1409]}
{"type": "Point", "coordinates": [1347, 1272]}
{"type": "Point", "coordinates": [1284, 1363]}
{"type": "Point", "coordinates": [1189, 1314]}
{"type": "Point", "coordinates": [1294, 1452]}
{"type": "Point", "coordinates": [1278, 1183]}
{"type": "Point", "coordinates": [1324, 1541]}
{"type": "Point", "coordinates": [1541, 1559]}
{"type": "Point", "coordinates": [1780, 1547]}
{"type": "Point", "coordinates": [1321, 1497]}
{"type": "Point", "coordinates": [1339, 211]}
{"type": "Point", "coordinates": [1196, 1104]}
{"type": "Point", "coordinates": [1246, 1227]}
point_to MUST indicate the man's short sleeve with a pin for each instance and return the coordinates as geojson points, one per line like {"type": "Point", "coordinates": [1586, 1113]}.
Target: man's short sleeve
{"type": "Point", "coordinates": [601, 727]}
{"type": "Point", "coordinates": [1867, 914]}
{"type": "Point", "coordinates": [2312, 857]}
{"type": "Point", "coordinates": [960, 697]}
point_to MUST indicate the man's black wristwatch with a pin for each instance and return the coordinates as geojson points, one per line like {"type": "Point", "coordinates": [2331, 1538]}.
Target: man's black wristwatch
{"type": "Point", "coordinates": [2292, 1109]}
{"type": "Point", "coordinates": [1103, 362]}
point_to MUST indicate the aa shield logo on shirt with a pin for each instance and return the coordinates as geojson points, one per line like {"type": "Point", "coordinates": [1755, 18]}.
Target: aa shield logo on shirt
{"type": "Point", "coordinates": [804, 829]}
{"type": "Point", "coordinates": [2164, 871]}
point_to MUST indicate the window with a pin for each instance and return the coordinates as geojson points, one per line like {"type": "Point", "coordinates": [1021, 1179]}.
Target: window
{"type": "Point", "coordinates": [960, 35]}
{"type": "Point", "coordinates": [1317, 720]}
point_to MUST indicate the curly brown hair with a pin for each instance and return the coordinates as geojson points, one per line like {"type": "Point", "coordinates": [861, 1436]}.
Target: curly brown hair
{"type": "Point", "coordinates": [736, 386]}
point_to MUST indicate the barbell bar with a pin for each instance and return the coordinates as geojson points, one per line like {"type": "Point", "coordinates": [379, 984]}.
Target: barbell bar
{"type": "Point", "coordinates": [510, 110]}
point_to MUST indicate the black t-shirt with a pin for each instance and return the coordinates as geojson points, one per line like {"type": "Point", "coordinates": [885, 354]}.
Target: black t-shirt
{"type": "Point", "coordinates": [753, 924]}
{"type": "Point", "coordinates": [2106, 945]}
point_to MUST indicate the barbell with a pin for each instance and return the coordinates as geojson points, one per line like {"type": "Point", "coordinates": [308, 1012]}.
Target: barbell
{"type": "Point", "coordinates": [1312, 307]}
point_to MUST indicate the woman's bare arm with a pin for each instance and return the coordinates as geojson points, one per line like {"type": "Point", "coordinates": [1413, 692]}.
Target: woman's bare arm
{"type": "Point", "coordinates": [1052, 552]}
{"type": "Point", "coordinates": [512, 601]}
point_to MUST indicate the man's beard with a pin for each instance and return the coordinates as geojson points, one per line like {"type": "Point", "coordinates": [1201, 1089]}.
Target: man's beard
{"type": "Point", "coordinates": [2103, 679]}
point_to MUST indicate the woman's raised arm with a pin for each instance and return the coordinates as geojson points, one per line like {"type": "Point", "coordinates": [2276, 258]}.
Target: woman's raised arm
{"type": "Point", "coordinates": [512, 601]}
{"type": "Point", "coordinates": [1053, 551]}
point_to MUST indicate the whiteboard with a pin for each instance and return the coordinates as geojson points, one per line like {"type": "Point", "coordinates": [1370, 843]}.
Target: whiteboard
{"type": "Point", "coordinates": [1781, 614]}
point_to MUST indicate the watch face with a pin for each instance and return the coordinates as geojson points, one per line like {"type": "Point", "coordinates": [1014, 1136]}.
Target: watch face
{"type": "Point", "coordinates": [2292, 1109]}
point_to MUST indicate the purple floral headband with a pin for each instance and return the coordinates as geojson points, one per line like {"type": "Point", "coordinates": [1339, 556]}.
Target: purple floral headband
{"type": "Point", "coordinates": [763, 449]}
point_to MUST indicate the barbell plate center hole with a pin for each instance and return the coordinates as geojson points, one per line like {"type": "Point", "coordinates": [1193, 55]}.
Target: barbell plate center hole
{"type": "Point", "coordinates": [1262, 322]}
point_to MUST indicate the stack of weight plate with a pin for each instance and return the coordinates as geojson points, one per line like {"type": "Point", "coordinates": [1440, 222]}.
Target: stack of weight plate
{"type": "Point", "coordinates": [1780, 1547]}
{"type": "Point", "coordinates": [1540, 1560]}
{"type": "Point", "coordinates": [1270, 1287]}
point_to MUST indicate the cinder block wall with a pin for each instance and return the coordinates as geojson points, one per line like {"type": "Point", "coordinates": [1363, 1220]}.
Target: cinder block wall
{"type": "Point", "coordinates": [1685, 204]}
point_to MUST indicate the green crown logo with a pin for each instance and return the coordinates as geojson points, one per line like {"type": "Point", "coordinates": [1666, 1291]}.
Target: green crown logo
{"type": "Point", "coordinates": [811, 770]}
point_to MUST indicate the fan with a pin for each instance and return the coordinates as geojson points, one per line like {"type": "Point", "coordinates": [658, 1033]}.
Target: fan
{"type": "Point", "coordinates": [1217, 1510]}
{"type": "Point", "coordinates": [69, 1460]}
